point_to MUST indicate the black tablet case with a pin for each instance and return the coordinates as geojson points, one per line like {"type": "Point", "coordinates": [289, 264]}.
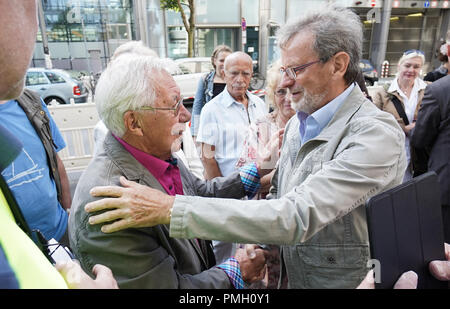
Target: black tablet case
{"type": "Point", "coordinates": [406, 231]}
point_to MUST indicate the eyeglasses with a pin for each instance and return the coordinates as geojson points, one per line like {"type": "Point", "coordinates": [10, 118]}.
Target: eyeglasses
{"type": "Point", "coordinates": [413, 51]}
{"type": "Point", "coordinates": [175, 109]}
{"type": "Point", "coordinates": [281, 92]}
{"type": "Point", "coordinates": [292, 72]}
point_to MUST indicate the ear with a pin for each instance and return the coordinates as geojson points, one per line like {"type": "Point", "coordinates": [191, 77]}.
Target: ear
{"type": "Point", "coordinates": [341, 61]}
{"type": "Point", "coordinates": [132, 123]}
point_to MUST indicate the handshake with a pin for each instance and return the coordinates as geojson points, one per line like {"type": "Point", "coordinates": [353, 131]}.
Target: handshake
{"type": "Point", "coordinates": [252, 261]}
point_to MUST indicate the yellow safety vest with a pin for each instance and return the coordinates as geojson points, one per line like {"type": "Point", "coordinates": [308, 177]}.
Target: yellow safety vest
{"type": "Point", "coordinates": [31, 267]}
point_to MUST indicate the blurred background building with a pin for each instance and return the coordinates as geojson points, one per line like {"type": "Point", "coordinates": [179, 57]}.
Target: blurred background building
{"type": "Point", "coordinates": [81, 35]}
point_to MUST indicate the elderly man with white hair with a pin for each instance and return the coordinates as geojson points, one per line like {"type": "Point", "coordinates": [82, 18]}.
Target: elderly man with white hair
{"type": "Point", "coordinates": [140, 104]}
{"type": "Point", "coordinates": [188, 154]}
{"type": "Point", "coordinates": [338, 151]}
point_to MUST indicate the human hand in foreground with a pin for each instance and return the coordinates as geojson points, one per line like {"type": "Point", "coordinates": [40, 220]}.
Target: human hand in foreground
{"type": "Point", "coordinates": [252, 262]}
{"type": "Point", "coordinates": [408, 280]}
{"type": "Point", "coordinates": [76, 278]}
{"type": "Point", "coordinates": [132, 205]}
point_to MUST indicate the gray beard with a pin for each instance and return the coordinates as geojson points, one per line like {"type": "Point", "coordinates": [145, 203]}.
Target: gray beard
{"type": "Point", "coordinates": [309, 103]}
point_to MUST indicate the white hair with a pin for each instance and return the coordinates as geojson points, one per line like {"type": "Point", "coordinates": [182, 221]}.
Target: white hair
{"type": "Point", "coordinates": [412, 55]}
{"type": "Point", "coordinates": [128, 83]}
{"type": "Point", "coordinates": [138, 48]}
{"type": "Point", "coordinates": [335, 29]}
{"type": "Point", "coordinates": [134, 47]}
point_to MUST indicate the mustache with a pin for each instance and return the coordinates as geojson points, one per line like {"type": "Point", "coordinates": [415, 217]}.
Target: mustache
{"type": "Point", "coordinates": [178, 129]}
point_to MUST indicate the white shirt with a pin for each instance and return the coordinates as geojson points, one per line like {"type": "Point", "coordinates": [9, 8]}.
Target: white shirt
{"type": "Point", "coordinates": [411, 102]}
{"type": "Point", "coordinates": [410, 106]}
{"type": "Point", "coordinates": [224, 123]}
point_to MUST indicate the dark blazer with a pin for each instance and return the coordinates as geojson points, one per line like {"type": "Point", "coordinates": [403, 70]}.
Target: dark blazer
{"type": "Point", "coordinates": [432, 132]}
{"type": "Point", "coordinates": [144, 257]}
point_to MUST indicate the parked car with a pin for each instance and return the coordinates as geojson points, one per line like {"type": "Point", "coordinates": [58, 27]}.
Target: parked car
{"type": "Point", "coordinates": [369, 72]}
{"type": "Point", "coordinates": [55, 84]}
{"type": "Point", "coordinates": [189, 73]}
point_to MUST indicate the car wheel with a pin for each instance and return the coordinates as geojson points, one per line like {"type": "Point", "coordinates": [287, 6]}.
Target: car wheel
{"type": "Point", "coordinates": [48, 101]}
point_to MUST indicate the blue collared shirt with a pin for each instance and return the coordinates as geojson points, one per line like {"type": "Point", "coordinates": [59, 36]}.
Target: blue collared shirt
{"type": "Point", "coordinates": [312, 125]}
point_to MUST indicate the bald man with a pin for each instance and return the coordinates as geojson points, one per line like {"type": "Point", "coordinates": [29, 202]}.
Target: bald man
{"type": "Point", "coordinates": [223, 123]}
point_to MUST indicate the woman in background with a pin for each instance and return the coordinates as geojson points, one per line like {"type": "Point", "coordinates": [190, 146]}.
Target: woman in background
{"type": "Point", "coordinates": [209, 85]}
{"type": "Point", "coordinates": [403, 97]}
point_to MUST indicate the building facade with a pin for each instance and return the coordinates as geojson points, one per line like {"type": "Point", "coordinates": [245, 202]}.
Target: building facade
{"type": "Point", "coordinates": [83, 34]}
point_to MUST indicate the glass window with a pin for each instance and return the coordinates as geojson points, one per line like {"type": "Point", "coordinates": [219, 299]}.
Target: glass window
{"type": "Point", "coordinates": [250, 11]}
{"type": "Point", "coordinates": [35, 78]}
{"type": "Point", "coordinates": [252, 46]}
{"type": "Point", "coordinates": [174, 18]}
{"type": "Point", "coordinates": [55, 78]}
{"type": "Point", "coordinates": [206, 42]}
{"type": "Point", "coordinates": [177, 45]}
{"type": "Point", "coordinates": [278, 11]}
{"type": "Point", "coordinates": [216, 12]}
{"type": "Point", "coordinates": [300, 6]}
{"type": "Point", "coordinates": [208, 39]}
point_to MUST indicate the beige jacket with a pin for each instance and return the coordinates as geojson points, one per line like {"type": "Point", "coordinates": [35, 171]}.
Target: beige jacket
{"type": "Point", "coordinates": [383, 100]}
{"type": "Point", "coordinates": [320, 188]}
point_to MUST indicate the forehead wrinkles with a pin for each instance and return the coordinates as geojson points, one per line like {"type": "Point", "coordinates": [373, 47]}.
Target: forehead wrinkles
{"type": "Point", "coordinates": [297, 49]}
{"type": "Point", "coordinates": [238, 62]}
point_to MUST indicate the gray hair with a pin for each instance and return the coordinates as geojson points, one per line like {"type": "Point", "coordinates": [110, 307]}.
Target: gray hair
{"type": "Point", "coordinates": [134, 47]}
{"type": "Point", "coordinates": [128, 83]}
{"type": "Point", "coordinates": [138, 48]}
{"type": "Point", "coordinates": [335, 29]}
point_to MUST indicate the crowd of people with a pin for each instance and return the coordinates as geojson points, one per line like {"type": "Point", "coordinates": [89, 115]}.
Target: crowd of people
{"type": "Point", "coordinates": [256, 194]}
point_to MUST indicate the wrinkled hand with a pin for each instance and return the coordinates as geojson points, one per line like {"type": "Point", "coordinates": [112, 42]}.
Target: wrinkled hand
{"type": "Point", "coordinates": [133, 206]}
{"type": "Point", "coordinates": [76, 278]}
{"type": "Point", "coordinates": [268, 157]}
{"type": "Point", "coordinates": [252, 262]}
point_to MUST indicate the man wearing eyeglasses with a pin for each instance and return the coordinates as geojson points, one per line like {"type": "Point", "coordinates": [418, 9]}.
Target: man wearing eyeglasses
{"type": "Point", "coordinates": [337, 152]}
{"type": "Point", "coordinates": [140, 104]}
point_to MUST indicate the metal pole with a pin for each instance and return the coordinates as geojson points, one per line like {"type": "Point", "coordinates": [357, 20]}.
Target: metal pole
{"type": "Point", "coordinates": [85, 45]}
{"type": "Point", "coordinates": [48, 61]}
{"type": "Point", "coordinates": [380, 36]}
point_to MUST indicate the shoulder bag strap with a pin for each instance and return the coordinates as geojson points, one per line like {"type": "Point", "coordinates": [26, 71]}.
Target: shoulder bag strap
{"type": "Point", "coordinates": [30, 102]}
{"type": "Point", "coordinates": [400, 110]}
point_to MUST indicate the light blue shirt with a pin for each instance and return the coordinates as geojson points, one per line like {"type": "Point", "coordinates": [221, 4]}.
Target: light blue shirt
{"type": "Point", "coordinates": [312, 125]}
{"type": "Point", "coordinates": [28, 176]}
{"type": "Point", "coordinates": [224, 123]}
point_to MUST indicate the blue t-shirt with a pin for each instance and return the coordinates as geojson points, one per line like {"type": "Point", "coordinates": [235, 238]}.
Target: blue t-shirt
{"type": "Point", "coordinates": [28, 176]}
